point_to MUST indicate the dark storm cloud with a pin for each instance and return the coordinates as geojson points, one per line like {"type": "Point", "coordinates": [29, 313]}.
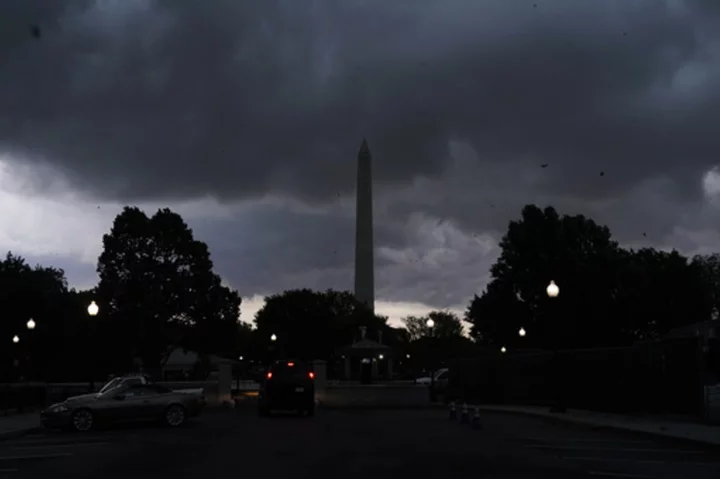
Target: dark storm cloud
{"type": "Point", "coordinates": [140, 99]}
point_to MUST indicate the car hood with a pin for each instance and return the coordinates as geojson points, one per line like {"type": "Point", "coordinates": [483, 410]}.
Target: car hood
{"type": "Point", "coordinates": [82, 398]}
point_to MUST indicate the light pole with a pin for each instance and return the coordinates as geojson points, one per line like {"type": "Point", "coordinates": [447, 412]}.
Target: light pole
{"type": "Point", "coordinates": [273, 348]}
{"type": "Point", "coordinates": [92, 310]}
{"type": "Point", "coordinates": [553, 291]}
{"type": "Point", "coordinates": [430, 323]}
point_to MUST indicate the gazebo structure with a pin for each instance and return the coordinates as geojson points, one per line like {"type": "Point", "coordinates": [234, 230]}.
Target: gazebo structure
{"type": "Point", "coordinates": [367, 360]}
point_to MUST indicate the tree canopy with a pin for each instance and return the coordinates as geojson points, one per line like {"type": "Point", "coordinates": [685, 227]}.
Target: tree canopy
{"type": "Point", "coordinates": [608, 295]}
{"type": "Point", "coordinates": [313, 325]}
{"type": "Point", "coordinates": [159, 290]}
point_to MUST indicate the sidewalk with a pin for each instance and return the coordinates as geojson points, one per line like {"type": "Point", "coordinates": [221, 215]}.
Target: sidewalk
{"type": "Point", "coordinates": [696, 432]}
{"type": "Point", "coordinates": [18, 424]}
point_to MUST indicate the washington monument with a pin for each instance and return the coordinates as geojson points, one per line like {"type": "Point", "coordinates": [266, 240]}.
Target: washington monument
{"type": "Point", "coordinates": [364, 241]}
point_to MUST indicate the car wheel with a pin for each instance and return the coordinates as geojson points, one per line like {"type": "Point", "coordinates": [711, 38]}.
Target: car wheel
{"type": "Point", "coordinates": [82, 420]}
{"type": "Point", "coordinates": [175, 415]}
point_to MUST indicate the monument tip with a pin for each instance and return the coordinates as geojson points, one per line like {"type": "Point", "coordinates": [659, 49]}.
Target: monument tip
{"type": "Point", "coordinates": [364, 147]}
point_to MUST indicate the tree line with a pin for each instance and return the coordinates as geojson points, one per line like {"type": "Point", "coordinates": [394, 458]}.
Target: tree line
{"type": "Point", "coordinates": [608, 295]}
{"type": "Point", "coordinates": [158, 292]}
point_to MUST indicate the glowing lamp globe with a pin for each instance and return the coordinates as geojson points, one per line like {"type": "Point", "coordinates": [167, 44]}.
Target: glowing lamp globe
{"type": "Point", "coordinates": [16, 339]}
{"type": "Point", "coordinates": [522, 332]}
{"type": "Point", "coordinates": [93, 309]}
{"type": "Point", "coordinates": [552, 290]}
{"type": "Point", "coordinates": [31, 324]}
{"type": "Point", "coordinates": [273, 338]}
{"type": "Point", "coordinates": [429, 323]}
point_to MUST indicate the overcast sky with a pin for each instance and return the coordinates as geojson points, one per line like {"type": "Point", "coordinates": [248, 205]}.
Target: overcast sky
{"type": "Point", "coordinates": [246, 118]}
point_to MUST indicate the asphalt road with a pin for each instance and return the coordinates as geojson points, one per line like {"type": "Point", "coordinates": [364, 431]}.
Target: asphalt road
{"type": "Point", "coordinates": [354, 444]}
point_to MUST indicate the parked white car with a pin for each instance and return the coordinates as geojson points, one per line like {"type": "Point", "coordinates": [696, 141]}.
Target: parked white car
{"type": "Point", "coordinates": [440, 375]}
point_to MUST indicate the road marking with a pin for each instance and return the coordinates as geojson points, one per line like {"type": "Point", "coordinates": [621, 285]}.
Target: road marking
{"type": "Point", "coordinates": [50, 446]}
{"type": "Point", "coordinates": [572, 439]}
{"type": "Point", "coordinates": [611, 459]}
{"type": "Point", "coordinates": [642, 461]}
{"type": "Point", "coordinates": [618, 474]}
{"type": "Point", "coordinates": [615, 449]}
{"type": "Point", "coordinates": [36, 456]}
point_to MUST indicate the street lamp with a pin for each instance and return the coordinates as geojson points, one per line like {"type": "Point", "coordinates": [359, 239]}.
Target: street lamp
{"type": "Point", "coordinates": [503, 349]}
{"type": "Point", "coordinates": [273, 337]}
{"type": "Point", "coordinates": [552, 290]}
{"type": "Point", "coordinates": [381, 357]}
{"type": "Point", "coordinates": [430, 323]}
{"type": "Point", "coordinates": [93, 309]}
{"type": "Point", "coordinates": [522, 332]}
{"type": "Point", "coordinates": [30, 324]}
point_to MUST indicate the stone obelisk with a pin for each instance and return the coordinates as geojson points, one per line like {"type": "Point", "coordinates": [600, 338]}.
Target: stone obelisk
{"type": "Point", "coordinates": [364, 241]}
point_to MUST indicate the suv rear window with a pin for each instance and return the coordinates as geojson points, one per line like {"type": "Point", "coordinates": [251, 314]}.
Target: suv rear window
{"type": "Point", "coordinates": [290, 370]}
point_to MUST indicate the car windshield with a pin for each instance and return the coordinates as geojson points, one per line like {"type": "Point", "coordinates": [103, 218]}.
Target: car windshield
{"type": "Point", "coordinates": [111, 385]}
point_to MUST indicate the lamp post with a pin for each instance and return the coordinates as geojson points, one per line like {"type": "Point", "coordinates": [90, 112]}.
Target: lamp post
{"type": "Point", "coordinates": [16, 339]}
{"type": "Point", "coordinates": [92, 310]}
{"type": "Point", "coordinates": [503, 349]}
{"type": "Point", "coordinates": [430, 323]}
{"type": "Point", "coordinates": [553, 291]}
{"type": "Point", "coordinates": [273, 348]}
{"type": "Point", "coordinates": [30, 324]}
{"type": "Point", "coordinates": [522, 332]}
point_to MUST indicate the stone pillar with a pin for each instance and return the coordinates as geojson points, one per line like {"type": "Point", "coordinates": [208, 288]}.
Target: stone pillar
{"type": "Point", "coordinates": [224, 383]}
{"type": "Point", "coordinates": [390, 369]}
{"type": "Point", "coordinates": [348, 368]}
{"type": "Point", "coordinates": [364, 238]}
{"type": "Point", "coordinates": [374, 368]}
{"type": "Point", "coordinates": [320, 369]}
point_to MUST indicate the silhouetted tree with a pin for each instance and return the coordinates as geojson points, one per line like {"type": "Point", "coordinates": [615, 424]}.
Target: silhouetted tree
{"type": "Point", "coordinates": [608, 296]}
{"type": "Point", "coordinates": [158, 291]}
{"type": "Point", "coordinates": [658, 291]}
{"type": "Point", "coordinates": [29, 292]}
{"type": "Point", "coordinates": [498, 314]}
{"type": "Point", "coordinates": [447, 325]}
{"type": "Point", "coordinates": [576, 253]}
{"type": "Point", "coordinates": [431, 347]}
{"type": "Point", "coordinates": [312, 324]}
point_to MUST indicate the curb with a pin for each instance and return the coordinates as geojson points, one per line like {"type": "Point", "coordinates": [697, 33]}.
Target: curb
{"type": "Point", "coordinates": [560, 418]}
{"type": "Point", "coordinates": [377, 407]}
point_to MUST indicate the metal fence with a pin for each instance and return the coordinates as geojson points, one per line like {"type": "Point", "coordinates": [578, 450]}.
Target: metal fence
{"type": "Point", "coordinates": [653, 377]}
{"type": "Point", "coordinates": [712, 404]}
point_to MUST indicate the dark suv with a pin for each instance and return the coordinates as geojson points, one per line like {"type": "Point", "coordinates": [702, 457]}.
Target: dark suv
{"type": "Point", "coordinates": [288, 385]}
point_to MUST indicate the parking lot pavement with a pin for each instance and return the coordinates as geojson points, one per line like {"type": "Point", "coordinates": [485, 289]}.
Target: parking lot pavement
{"type": "Point", "coordinates": [352, 444]}
{"type": "Point", "coordinates": [605, 453]}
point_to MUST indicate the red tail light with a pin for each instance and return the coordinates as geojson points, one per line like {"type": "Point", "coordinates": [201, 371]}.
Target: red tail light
{"type": "Point", "coordinates": [311, 374]}
{"type": "Point", "coordinates": [269, 375]}
{"type": "Point", "coordinates": [291, 364]}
